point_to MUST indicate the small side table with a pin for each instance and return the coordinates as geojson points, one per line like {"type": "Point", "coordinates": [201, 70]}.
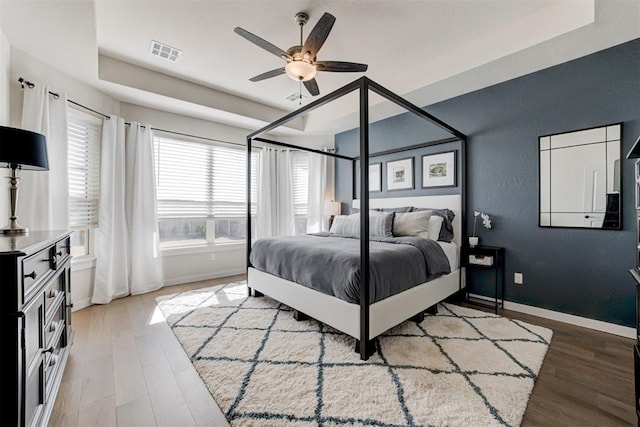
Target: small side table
{"type": "Point", "coordinates": [485, 257]}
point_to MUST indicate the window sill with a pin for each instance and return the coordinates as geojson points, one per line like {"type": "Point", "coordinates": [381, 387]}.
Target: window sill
{"type": "Point", "coordinates": [200, 249]}
{"type": "Point", "coordinates": [83, 262]}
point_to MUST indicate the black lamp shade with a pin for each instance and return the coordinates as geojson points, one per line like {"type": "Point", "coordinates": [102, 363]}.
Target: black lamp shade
{"type": "Point", "coordinates": [24, 148]}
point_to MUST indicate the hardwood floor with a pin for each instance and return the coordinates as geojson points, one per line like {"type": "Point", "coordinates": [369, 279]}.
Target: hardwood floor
{"type": "Point", "coordinates": [126, 368]}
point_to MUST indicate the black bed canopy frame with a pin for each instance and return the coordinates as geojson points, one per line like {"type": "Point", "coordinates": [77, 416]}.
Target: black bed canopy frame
{"type": "Point", "coordinates": [365, 346]}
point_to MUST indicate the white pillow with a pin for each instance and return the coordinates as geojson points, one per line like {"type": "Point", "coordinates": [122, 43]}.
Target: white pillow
{"type": "Point", "coordinates": [412, 224]}
{"type": "Point", "coordinates": [435, 224]}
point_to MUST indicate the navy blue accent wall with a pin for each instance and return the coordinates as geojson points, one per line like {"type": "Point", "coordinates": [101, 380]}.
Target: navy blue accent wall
{"type": "Point", "coordinates": [576, 271]}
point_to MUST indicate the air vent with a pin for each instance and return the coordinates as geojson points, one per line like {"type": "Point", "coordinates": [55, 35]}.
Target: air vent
{"type": "Point", "coordinates": [165, 51]}
{"type": "Point", "coordinates": [296, 96]}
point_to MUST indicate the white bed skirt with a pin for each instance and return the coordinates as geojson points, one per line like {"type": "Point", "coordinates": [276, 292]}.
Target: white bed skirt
{"type": "Point", "coordinates": [345, 316]}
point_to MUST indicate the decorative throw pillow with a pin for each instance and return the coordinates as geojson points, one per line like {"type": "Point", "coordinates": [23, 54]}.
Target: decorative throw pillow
{"type": "Point", "coordinates": [412, 224]}
{"type": "Point", "coordinates": [435, 226]}
{"type": "Point", "coordinates": [446, 230]}
{"type": "Point", "coordinates": [380, 225]}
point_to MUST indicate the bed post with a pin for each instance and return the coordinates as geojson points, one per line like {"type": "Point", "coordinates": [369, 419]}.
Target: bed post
{"type": "Point", "coordinates": [463, 206]}
{"type": "Point", "coordinates": [364, 346]}
{"type": "Point", "coordinates": [248, 207]}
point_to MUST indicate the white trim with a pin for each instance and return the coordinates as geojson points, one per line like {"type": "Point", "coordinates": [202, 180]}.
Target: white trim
{"type": "Point", "coordinates": [204, 276]}
{"type": "Point", "coordinates": [199, 249]}
{"type": "Point", "coordinates": [597, 325]}
{"type": "Point", "coordinates": [82, 263]}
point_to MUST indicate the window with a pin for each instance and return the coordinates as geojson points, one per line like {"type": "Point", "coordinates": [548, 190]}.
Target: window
{"type": "Point", "coordinates": [300, 172]}
{"type": "Point", "coordinates": [201, 192]}
{"type": "Point", "coordinates": [84, 134]}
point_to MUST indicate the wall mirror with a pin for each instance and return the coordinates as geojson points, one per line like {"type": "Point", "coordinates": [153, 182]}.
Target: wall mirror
{"type": "Point", "coordinates": [580, 178]}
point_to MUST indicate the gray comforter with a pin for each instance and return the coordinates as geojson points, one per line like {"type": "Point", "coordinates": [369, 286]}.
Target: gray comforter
{"type": "Point", "coordinates": [331, 264]}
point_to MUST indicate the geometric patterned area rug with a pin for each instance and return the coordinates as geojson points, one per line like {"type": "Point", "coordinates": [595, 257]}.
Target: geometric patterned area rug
{"type": "Point", "coordinates": [461, 367]}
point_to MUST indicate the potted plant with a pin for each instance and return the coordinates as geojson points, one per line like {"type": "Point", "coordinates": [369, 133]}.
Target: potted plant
{"type": "Point", "coordinates": [486, 223]}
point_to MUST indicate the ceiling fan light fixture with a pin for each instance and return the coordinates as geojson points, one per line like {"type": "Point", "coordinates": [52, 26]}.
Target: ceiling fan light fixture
{"type": "Point", "coordinates": [301, 70]}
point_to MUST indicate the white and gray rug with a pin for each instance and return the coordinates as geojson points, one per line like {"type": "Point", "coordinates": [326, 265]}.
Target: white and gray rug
{"type": "Point", "coordinates": [461, 367]}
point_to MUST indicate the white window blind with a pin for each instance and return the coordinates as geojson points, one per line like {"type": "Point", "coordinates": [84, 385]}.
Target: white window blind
{"type": "Point", "coordinates": [84, 135]}
{"type": "Point", "coordinates": [300, 172]}
{"type": "Point", "coordinates": [199, 180]}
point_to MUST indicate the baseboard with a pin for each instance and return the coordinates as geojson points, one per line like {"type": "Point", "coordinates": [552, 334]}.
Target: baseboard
{"type": "Point", "coordinates": [598, 325]}
{"type": "Point", "coordinates": [204, 276]}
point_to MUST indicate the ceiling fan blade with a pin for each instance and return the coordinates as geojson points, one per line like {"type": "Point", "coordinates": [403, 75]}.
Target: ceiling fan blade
{"type": "Point", "coordinates": [340, 66]}
{"type": "Point", "coordinates": [318, 35]}
{"type": "Point", "coordinates": [312, 87]}
{"type": "Point", "coordinates": [262, 43]}
{"type": "Point", "coordinates": [268, 74]}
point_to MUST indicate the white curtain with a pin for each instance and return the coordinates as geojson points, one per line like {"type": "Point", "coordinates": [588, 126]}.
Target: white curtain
{"type": "Point", "coordinates": [112, 263]}
{"type": "Point", "coordinates": [145, 272]}
{"type": "Point", "coordinates": [318, 193]}
{"type": "Point", "coordinates": [128, 257]}
{"type": "Point", "coordinates": [44, 195]}
{"type": "Point", "coordinates": [275, 213]}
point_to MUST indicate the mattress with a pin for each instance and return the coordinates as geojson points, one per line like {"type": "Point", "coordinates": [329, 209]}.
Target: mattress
{"type": "Point", "coordinates": [331, 264]}
{"type": "Point", "coordinates": [451, 252]}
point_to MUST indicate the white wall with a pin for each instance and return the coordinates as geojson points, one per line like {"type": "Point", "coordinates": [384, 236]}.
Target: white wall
{"type": "Point", "coordinates": [32, 69]}
{"type": "Point", "coordinates": [5, 61]}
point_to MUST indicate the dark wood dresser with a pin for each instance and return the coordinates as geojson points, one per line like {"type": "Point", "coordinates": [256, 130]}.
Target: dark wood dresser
{"type": "Point", "coordinates": [36, 305]}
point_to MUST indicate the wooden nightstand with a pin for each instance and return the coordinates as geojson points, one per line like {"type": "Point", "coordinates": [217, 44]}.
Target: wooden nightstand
{"type": "Point", "coordinates": [485, 257]}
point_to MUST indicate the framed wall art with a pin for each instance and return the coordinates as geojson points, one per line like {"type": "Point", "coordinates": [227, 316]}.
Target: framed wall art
{"type": "Point", "coordinates": [439, 170]}
{"type": "Point", "coordinates": [400, 174]}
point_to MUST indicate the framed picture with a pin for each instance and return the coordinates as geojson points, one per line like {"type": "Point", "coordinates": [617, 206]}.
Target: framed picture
{"type": "Point", "coordinates": [439, 170]}
{"type": "Point", "coordinates": [400, 174]}
{"type": "Point", "coordinates": [375, 177]}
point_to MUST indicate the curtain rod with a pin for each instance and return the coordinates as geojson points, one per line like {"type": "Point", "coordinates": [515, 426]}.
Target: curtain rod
{"type": "Point", "coordinates": [30, 85]}
{"type": "Point", "coordinates": [301, 148]}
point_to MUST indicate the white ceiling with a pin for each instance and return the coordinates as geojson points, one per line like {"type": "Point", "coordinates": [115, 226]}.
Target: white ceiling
{"type": "Point", "coordinates": [426, 51]}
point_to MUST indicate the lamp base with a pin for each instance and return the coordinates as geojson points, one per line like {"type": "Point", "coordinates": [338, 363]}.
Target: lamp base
{"type": "Point", "coordinates": [14, 228]}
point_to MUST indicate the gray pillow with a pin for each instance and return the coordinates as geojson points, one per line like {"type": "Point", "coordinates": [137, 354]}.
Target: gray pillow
{"type": "Point", "coordinates": [446, 232]}
{"type": "Point", "coordinates": [380, 225]}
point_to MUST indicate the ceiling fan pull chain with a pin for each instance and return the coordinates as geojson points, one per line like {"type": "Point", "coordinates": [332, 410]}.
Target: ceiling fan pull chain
{"type": "Point", "coordinates": [300, 93]}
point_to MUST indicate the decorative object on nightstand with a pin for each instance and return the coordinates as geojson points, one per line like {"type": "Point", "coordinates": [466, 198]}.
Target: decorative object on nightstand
{"type": "Point", "coordinates": [20, 149]}
{"type": "Point", "coordinates": [486, 223]}
{"type": "Point", "coordinates": [487, 258]}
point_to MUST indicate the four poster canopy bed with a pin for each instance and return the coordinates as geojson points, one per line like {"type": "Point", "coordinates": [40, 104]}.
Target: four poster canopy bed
{"type": "Point", "coordinates": [361, 278]}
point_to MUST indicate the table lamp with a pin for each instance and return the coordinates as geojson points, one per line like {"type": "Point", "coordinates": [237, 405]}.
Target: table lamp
{"type": "Point", "coordinates": [20, 149]}
{"type": "Point", "coordinates": [332, 208]}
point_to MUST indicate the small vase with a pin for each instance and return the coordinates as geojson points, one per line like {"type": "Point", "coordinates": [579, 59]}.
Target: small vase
{"type": "Point", "coordinates": [473, 242]}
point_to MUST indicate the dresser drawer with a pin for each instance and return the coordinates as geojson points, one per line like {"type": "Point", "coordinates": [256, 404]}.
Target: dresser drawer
{"type": "Point", "coordinates": [54, 294]}
{"type": "Point", "coordinates": [62, 250]}
{"type": "Point", "coordinates": [55, 324]}
{"type": "Point", "coordinates": [52, 362]}
{"type": "Point", "coordinates": [34, 269]}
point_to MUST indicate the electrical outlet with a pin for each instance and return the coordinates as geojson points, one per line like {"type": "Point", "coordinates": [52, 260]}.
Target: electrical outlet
{"type": "Point", "coordinates": [518, 278]}
{"type": "Point", "coordinates": [213, 257]}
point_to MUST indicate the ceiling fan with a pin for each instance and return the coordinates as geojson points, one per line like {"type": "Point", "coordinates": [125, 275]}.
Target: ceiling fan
{"type": "Point", "coordinates": [301, 59]}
